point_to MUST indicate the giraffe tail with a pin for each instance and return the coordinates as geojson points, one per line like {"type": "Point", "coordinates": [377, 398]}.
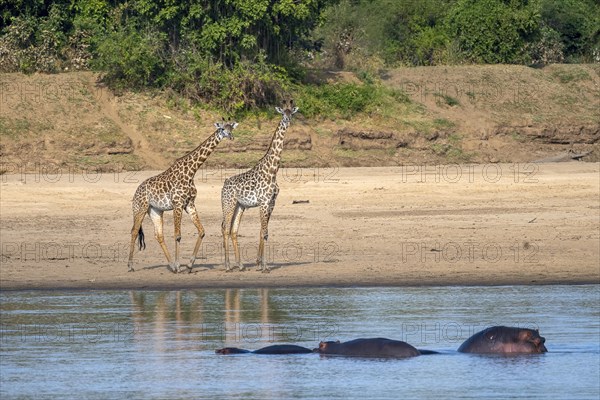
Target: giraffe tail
{"type": "Point", "coordinates": [141, 241]}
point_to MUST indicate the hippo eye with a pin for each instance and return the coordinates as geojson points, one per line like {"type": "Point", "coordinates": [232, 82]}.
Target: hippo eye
{"type": "Point", "coordinates": [491, 336]}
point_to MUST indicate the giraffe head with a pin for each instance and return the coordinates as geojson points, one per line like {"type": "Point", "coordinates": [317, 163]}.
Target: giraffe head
{"type": "Point", "coordinates": [287, 111]}
{"type": "Point", "coordinates": [225, 129]}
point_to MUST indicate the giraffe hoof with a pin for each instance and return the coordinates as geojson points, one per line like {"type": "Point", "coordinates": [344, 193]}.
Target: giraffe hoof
{"type": "Point", "coordinates": [240, 267]}
{"type": "Point", "coordinates": [131, 269]}
{"type": "Point", "coordinates": [265, 270]}
{"type": "Point", "coordinates": [183, 268]}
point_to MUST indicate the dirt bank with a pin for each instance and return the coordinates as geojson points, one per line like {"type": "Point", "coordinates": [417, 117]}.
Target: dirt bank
{"type": "Point", "coordinates": [459, 114]}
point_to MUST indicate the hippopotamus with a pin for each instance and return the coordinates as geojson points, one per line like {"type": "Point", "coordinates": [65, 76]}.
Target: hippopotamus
{"type": "Point", "coordinates": [504, 340]}
{"type": "Point", "coordinates": [274, 349]}
{"type": "Point", "coordinates": [372, 347]}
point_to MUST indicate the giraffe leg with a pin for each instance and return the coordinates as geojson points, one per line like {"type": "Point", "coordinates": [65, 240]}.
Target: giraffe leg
{"type": "Point", "coordinates": [157, 219]}
{"type": "Point", "coordinates": [235, 225]}
{"type": "Point", "coordinates": [228, 205]}
{"type": "Point", "coordinates": [191, 209]}
{"type": "Point", "coordinates": [137, 224]}
{"type": "Point", "coordinates": [265, 215]}
{"type": "Point", "coordinates": [264, 235]}
{"type": "Point", "coordinates": [177, 213]}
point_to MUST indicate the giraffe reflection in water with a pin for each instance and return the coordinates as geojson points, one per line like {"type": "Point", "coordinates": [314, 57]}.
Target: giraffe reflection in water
{"type": "Point", "coordinates": [200, 318]}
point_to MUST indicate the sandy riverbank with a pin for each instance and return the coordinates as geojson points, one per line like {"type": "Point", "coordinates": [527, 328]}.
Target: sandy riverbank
{"type": "Point", "coordinates": [491, 224]}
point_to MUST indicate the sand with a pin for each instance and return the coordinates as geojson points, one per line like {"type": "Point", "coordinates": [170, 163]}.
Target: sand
{"type": "Point", "coordinates": [492, 224]}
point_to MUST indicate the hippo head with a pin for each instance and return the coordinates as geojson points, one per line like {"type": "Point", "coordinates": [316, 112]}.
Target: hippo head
{"type": "Point", "coordinates": [515, 340]}
{"type": "Point", "coordinates": [325, 347]}
{"type": "Point", "coordinates": [231, 350]}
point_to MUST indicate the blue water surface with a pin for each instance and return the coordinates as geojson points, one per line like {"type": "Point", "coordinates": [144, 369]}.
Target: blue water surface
{"type": "Point", "coordinates": [160, 344]}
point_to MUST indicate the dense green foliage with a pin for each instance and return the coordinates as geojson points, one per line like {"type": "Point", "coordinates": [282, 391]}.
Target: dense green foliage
{"type": "Point", "coordinates": [576, 23]}
{"type": "Point", "coordinates": [244, 54]}
{"type": "Point", "coordinates": [362, 34]}
{"type": "Point", "coordinates": [493, 31]}
{"type": "Point", "coordinates": [231, 53]}
{"type": "Point", "coordinates": [405, 32]}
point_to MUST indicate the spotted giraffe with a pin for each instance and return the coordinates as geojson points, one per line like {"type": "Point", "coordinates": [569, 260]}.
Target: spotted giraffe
{"type": "Point", "coordinates": [174, 189]}
{"type": "Point", "coordinates": [256, 187]}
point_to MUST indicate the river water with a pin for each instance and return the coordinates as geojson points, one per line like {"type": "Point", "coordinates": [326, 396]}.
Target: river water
{"type": "Point", "coordinates": [160, 344]}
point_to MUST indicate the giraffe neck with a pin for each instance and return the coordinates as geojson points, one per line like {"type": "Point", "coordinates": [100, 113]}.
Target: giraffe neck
{"type": "Point", "coordinates": [269, 164]}
{"type": "Point", "coordinates": [191, 162]}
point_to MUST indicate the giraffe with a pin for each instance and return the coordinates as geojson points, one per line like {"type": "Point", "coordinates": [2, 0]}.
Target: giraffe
{"type": "Point", "coordinates": [174, 189]}
{"type": "Point", "coordinates": [256, 187]}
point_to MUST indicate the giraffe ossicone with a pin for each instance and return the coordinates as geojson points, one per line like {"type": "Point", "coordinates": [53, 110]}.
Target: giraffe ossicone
{"type": "Point", "coordinates": [174, 189]}
{"type": "Point", "coordinates": [256, 187]}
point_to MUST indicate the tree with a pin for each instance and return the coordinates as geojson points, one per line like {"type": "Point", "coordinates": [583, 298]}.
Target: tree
{"type": "Point", "coordinates": [577, 22]}
{"type": "Point", "coordinates": [493, 31]}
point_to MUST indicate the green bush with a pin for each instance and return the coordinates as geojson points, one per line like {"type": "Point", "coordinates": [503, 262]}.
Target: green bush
{"type": "Point", "coordinates": [345, 99]}
{"type": "Point", "coordinates": [244, 87]}
{"type": "Point", "coordinates": [434, 32]}
{"type": "Point", "coordinates": [34, 44]}
{"type": "Point", "coordinates": [417, 34]}
{"type": "Point", "coordinates": [240, 55]}
{"type": "Point", "coordinates": [547, 47]}
{"type": "Point", "coordinates": [405, 32]}
{"type": "Point", "coordinates": [576, 23]}
{"type": "Point", "coordinates": [132, 58]}
{"type": "Point", "coordinates": [493, 31]}
{"type": "Point", "coordinates": [336, 99]}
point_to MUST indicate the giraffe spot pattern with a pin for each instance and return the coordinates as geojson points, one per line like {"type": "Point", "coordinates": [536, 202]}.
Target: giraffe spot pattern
{"type": "Point", "coordinates": [174, 189]}
{"type": "Point", "coordinates": [254, 188]}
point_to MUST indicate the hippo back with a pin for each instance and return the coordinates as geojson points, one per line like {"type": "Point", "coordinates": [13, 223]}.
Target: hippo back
{"type": "Point", "coordinates": [283, 349]}
{"type": "Point", "coordinates": [369, 347]}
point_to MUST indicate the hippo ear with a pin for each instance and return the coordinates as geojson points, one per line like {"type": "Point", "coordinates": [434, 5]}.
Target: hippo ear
{"type": "Point", "coordinates": [337, 341]}
{"type": "Point", "coordinates": [525, 335]}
